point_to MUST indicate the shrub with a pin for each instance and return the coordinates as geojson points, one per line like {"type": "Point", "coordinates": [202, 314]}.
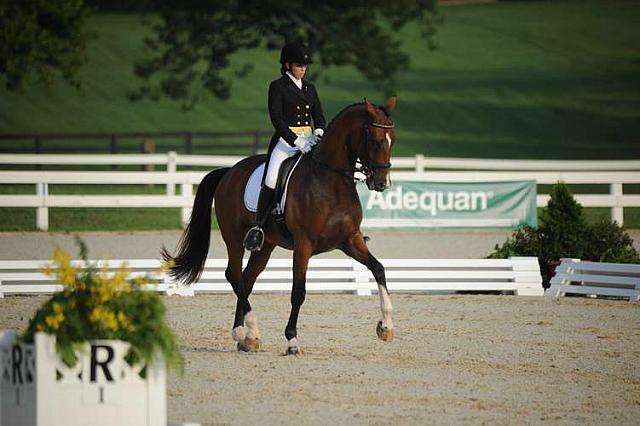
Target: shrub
{"type": "Point", "coordinates": [562, 229]}
{"type": "Point", "coordinates": [607, 242]}
{"type": "Point", "coordinates": [563, 232]}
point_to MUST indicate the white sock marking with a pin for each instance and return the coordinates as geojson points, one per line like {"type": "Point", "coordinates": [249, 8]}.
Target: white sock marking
{"type": "Point", "coordinates": [238, 334]}
{"type": "Point", "coordinates": [251, 321]}
{"type": "Point", "coordinates": [385, 307]}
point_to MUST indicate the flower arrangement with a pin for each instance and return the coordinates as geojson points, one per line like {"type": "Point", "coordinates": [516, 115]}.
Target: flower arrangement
{"type": "Point", "coordinates": [98, 304]}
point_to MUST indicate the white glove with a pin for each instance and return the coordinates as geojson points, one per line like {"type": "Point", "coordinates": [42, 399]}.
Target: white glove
{"type": "Point", "coordinates": [317, 134]}
{"type": "Point", "coordinates": [304, 143]}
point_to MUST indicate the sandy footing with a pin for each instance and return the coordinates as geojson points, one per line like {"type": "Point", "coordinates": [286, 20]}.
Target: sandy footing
{"type": "Point", "coordinates": [456, 359]}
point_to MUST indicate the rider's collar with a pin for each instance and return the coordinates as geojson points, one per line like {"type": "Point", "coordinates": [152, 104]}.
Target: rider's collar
{"type": "Point", "coordinates": [297, 82]}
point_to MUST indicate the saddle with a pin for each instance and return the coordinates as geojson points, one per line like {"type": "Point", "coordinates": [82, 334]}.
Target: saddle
{"type": "Point", "coordinates": [252, 190]}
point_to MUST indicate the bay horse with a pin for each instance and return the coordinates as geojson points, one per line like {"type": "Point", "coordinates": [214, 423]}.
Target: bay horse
{"type": "Point", "coordinates": [322, 213]}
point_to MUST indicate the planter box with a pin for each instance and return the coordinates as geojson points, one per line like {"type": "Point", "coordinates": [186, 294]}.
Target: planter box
{"type": "Point", "coordinates": [101, 389]}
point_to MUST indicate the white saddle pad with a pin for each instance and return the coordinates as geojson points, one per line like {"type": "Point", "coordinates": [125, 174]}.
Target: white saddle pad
{"type": "Point", "coordinates": [252, 190]}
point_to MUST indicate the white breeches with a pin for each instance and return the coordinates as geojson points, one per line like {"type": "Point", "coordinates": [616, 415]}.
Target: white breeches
{"type": "Point", "coordinates": [280, 152]}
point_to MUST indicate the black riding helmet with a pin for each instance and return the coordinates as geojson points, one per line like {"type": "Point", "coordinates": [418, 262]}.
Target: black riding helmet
{"type": "Point", "coordinates": [296, 53]}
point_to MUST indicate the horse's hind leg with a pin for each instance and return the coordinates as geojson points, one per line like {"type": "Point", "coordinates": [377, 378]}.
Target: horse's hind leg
{"type": "Point", "coordinates": [244, 314]}
{"type": "Point", "coordinates": [257, 262]}
{"type": "Point", "coordinates": [356, 247]}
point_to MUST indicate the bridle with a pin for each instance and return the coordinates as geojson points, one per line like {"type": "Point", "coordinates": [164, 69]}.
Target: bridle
{"type": "Point", "coordinates": [367, 168]}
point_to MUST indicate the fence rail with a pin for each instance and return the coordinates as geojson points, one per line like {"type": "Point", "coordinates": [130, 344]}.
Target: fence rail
{"type": "Point", "coordinates": [113, 142]}
{"type": "Point", "coordinates": [615, 174]}
{"type": "Point", "coordinates": [520, 275]}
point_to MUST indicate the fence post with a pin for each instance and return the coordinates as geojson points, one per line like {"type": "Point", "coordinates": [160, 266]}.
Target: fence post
{"type": "Point", "coordinates": [361, 278]}
{"type": "Point", "coordinates": [38, 144]}
{"type": "Point", "coordinates": [188, 143]}
{"type": "Point", "coordinates": [172, 166]}
{"type": "Point", "coordinates": [617, 212]}
{"type": "Point", "coordinates": [148, 147]}
{"type": "Point", "coordinates": [113, 147]}
{"type": "Point", "coordinates": [38, 147]}
{"type": "Point", "coordinates": [256, 141]}
{"type": "Point", "coordinates": [420, 163]}
{"type": "Point", "coordinates": [187, 191]}
{"type": "Point", "coordinates": [42, 213]}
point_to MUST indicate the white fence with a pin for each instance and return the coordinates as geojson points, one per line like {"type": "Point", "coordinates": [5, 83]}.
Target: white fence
{"type": "Point", "coordinates": [574, 276]}
{"type": "Point", "coordinates": [419, 168]}
{"type": "Point", "coordinates": [519, 275]}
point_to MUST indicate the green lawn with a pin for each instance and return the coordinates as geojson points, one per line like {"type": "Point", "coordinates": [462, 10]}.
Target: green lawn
{"type": "Point", "coordinates": [546, 80]}
{"type": "Point", "coordinates": [543, 79]}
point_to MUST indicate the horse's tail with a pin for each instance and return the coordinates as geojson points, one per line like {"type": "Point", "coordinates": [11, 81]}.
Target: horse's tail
{"type": "Point", "coordinates": [188, 263]}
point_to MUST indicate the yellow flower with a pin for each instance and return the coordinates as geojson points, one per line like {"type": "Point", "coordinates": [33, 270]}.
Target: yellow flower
{"type": "Point", "coordinates": [54, 320]}
{"type": "Point", "coordinates": [63, 270]}
{"type": "Point", "coordinates": [104, 317]}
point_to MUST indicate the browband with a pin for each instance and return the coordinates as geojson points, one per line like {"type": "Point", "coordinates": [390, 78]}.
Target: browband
{"type": "Point", "coordinates": [384, 126]}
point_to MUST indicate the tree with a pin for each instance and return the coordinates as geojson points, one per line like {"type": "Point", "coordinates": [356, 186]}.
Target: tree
{"type": "Point", "coordinates": [193, 40]}
{"type": "Point", "coordinates": [41, 38]}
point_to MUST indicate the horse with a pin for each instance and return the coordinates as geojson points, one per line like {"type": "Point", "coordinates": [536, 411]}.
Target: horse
{"type": "Point", "coordinates": [323, 213]}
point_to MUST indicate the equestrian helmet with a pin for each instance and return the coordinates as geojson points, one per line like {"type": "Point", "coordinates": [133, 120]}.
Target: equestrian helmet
{"type": "Point", "coordinates": [296, 53]}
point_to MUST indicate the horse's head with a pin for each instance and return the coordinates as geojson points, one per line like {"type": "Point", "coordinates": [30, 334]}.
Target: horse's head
{"type": "Point", "coordinates": [375, 152]}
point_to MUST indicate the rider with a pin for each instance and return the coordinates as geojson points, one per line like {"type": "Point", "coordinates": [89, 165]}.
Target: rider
{"type": "Point", "coordinates": [293, 104]}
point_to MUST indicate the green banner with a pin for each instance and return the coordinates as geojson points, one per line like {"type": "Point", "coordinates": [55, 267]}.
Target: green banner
{"type": "Point", "coordinates": [450, 205]}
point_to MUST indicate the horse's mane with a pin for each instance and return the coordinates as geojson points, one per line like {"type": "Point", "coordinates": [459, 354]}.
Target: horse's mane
{"type": "Point", "coordinates": [348, 107]}
{"type": "Point", "coordinates": [342, 112]}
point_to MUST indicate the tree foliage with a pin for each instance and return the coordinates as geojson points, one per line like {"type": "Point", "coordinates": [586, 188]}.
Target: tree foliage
{"type": "Point", "coordinates": [41, 38]}
{"type": "Point", "coordinates": [193, 40]}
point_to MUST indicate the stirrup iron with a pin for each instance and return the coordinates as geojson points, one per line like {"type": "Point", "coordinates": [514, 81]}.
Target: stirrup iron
{"type": "Point", "coordinates": [257, 240]}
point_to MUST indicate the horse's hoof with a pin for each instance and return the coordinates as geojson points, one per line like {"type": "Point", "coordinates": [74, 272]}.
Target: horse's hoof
{"type": "Point", "coordinates": [294, 350]}
{"type": "Point", "coordinates": [249, 345]}
{"type": "Point", "coordinates": [252, 344]}
{"type": "Point", "coordinates": [384, 333]}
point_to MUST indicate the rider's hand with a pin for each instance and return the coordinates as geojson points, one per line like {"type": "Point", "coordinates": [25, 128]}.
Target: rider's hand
{"type": "Point", "coordinates": [304, 143]}
{"type": "Point", "coordinates": [317, 134]}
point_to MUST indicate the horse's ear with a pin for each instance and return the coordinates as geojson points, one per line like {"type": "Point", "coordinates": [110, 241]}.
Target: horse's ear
{"type": "Point", "coordinates": [391, 104]}
{"type": "Point", "coordinates": [371, 110]}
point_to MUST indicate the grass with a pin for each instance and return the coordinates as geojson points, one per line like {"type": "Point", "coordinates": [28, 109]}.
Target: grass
{"type": "Point", "coordinates": [532, 80]}
{"type": "Point", "coordinates": [513, 80]}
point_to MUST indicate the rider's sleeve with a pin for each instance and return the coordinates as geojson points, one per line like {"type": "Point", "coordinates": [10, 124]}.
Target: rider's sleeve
{"type": "Point", "coordinates": [276, 114]}
{"type": "Point", "coordinates": [318, 116]}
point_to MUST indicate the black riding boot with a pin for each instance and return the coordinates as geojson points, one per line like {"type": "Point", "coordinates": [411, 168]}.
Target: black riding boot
{"type": "Point", "coordinates": [255, 237]}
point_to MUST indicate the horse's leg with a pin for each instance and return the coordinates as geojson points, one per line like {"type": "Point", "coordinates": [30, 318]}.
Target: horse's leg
{"type": "Point", "coordinates": [357, 248]}
{"type": "Point", "coordinates": [257, 262]}
{"type": "Point", "coordinates": [244, 314]}
{"type": "Point", "coordinates": [301, 254]}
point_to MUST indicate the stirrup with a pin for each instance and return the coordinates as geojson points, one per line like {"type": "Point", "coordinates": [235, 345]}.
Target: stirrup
{"type": "Point", "coordinates": [254, 239]}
